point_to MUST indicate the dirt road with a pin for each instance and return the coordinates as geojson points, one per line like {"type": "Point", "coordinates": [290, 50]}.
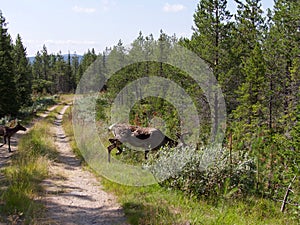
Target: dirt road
{"type": "Point", "coordinates": [74, 195]}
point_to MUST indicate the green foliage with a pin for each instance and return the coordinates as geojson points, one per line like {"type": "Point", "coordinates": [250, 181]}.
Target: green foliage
{"type": "Point", "coordinates": [23, 77]}
{"type": "Point", "coordinates": [28, 168]}
{"type": "Point", "coordinates": [8, 96]}
{"type": "Point", "coordinates": [53, 74]}
{"type": "Point", "coordinates": [210, 173]}
{"type": "Point", "coordinates": [38, 104]}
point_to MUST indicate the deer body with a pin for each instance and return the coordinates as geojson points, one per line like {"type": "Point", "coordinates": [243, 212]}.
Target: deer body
{"type": "Point", "coordinates": [7, 132]}
{"type": "Point", "coordinates": [147, 138]}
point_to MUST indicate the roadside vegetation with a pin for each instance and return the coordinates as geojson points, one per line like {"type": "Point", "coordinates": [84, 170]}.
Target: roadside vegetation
{"type": "Point", "coordinates": [21, 179]}
{"type": "Point", "coordinates": [161, 204]}
{"type": "Point", "coordinates": [253, 55]}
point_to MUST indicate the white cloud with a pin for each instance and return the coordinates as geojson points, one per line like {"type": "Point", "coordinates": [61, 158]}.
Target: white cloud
{"type": "Point", "coordinates": [173, 8]}
{"type": "Point", "coordinates": [108, 4]}
{"type": "Point", "coordinates": [79, 9]}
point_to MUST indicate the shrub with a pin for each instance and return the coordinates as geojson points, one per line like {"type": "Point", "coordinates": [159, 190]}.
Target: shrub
{"type": "Point", "coordinates": [209, 172]}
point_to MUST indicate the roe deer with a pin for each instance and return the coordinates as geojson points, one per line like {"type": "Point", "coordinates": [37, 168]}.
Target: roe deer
{"type": "Point", "coordinates": [7, 132]}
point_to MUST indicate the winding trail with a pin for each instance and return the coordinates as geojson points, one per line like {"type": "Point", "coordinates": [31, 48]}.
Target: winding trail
{"type": "Point", "coordinates": [74, 195]}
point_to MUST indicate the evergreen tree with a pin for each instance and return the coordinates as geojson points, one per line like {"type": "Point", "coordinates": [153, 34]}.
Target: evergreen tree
{"type": "Point", "coordinates": [22, 73]}
{"type": "Point", "coordinates": [281, 53]}
{"type": "Point", "coordinates": [248, 29]}
{"type": "Point", "coordinates": [282, 57]}
{"type": "Point", "coordinates": [59, 72]}
{"type": "Point", "coordinates": [87, 59]}
{"type": "Point", "coordinates": [210, 42]}
{"type": "Point", "coordinates": [75, 70]}
{"type": "Point", "coordinates": [70, 85]}
{"type": "Point", "coordinates": [46, 73]}
{"type": "Point", "coordinates": [37, 82]}
{"type": "Point", "coordinates": [8, 96]}
{"type": "Point", "coordinates": [252, 92]}
{"type": "Point", "coordinates": [43, 74]}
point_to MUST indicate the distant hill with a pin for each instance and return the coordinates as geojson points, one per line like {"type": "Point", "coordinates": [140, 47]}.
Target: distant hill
{"type": "Point", "coordinates": [31, 59]}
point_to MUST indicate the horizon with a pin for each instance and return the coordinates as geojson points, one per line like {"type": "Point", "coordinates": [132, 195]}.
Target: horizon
{"type": "Point", "coordinates": [76, 26]}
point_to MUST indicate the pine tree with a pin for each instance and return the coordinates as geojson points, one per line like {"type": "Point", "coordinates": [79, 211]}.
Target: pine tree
{"type": "Point", "coordinates": [59, 71]}
{"type": "Point", "coordinates": [281, 53]}
{"type": "Point", "coordinates": [42, 71]}
{"type": "Point", "coordinates": [252, 98]}
{"type": "Point", "coordinates": [69, 74]}
{"type": "Point", "coordinates": [283, 75]}
{"type": "Point", "coordinates": [22, 73]}
{"type": "Point", "coordinates": [75, 70]}
{"type": "Point", "coordinates": [8, 96]}
{"type": "Point", "coordinates": [210, 42]}
{"type": "Point", "coordinates": [37, 73]}
{"type": "Point", "coordinates": [46, 73]}
{"type": "Point", "coordinates": [248, 29]}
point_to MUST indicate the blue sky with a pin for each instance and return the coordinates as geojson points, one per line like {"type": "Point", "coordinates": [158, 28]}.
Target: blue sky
{"type": "Point", "coordinates": [78, 25]}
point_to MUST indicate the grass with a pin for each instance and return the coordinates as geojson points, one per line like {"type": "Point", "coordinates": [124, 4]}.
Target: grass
{"type": "Point", "coordinates": [21, 185]}
{"type": "Point", "coordinates": [159, 205]}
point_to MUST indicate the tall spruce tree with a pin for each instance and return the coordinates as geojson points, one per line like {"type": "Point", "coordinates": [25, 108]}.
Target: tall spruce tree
{"type": "Point", "coordinates": [248, 29]}
{"type": "Point", "coordinates": [8, 96]}
{"type": "Point", "coordinates": [46, 72]}
{"type": "Point", "coordinates": [69, 74]}
{"type": "Point", "coordinates": [22, 73]}
{"type": "Point", "coordinates": [37, 73]}
{"type": "Point", "coordinates": [210, 42]}
{"type": "Point", "coordinates": [75, 69]}
{"type": "Point", "coordinates": [282, 58]}
{"type": "Point", "coordinates": [282, 51]}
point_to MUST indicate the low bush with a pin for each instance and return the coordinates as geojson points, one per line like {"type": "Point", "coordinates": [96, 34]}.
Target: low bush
{"type": "Point", "coordinates": [204, 173]}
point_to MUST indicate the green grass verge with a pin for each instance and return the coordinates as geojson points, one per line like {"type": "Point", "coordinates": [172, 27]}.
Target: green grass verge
{"type": "Point", "coordinates": [21, 181]}
{"type": "Point", "coordinates": [158, 205]}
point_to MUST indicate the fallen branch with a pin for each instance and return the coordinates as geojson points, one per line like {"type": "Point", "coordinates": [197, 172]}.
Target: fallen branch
{"type": "Point", "coordinates": [287, 194]}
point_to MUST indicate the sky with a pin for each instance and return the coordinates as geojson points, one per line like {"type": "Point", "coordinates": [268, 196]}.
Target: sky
{"type": "Point", "coordinates": [78, 25]}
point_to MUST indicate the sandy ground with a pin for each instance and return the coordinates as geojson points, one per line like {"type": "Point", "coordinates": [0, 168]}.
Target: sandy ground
{"type": "Point", "coordinates": [74, 195]}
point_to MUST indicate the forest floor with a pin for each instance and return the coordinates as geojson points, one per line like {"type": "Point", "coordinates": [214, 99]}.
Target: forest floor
{"type": "Point", "coordinates": [72, 194]}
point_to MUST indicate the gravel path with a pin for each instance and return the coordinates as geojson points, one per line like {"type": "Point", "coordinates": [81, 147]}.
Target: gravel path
{"type": "Point", "coordinates": [74, 195]}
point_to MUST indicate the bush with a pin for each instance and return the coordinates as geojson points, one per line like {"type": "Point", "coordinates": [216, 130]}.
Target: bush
{"type": "Point", "coordinates": [209, 172]}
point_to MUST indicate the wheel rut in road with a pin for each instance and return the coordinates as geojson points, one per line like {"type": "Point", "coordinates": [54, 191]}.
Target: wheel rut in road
{"type": "Point", "coordinates": [74, 195]}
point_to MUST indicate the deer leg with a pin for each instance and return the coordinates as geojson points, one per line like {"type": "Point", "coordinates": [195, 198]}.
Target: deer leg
{"type": "Point", "coordinates": [117, 145]}
{"type": "Point", "coordinates": [9, 149]}
{"type": "Point", "coordinates": [109, 149]}
{"type": "Point", "coordinates": [4, 141]}
{"type": "Point", "coordinates": [146, 153]}
{"type": "Point", "coordinates": [119, 151]}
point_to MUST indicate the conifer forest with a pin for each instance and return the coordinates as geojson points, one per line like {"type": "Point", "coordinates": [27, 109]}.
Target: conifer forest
{"type": "Point", "coordinates": [253, 54]}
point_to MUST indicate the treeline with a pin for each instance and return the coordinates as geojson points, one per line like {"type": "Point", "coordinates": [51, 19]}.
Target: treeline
{"type": "Point", "coordinates": [22, 81]}
{"type": "Point", "coordinates": [254, 56]}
